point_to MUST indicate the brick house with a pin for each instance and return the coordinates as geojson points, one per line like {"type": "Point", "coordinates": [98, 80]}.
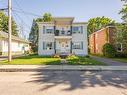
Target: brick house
{"type": "Point", "coordinates": [101, 37]}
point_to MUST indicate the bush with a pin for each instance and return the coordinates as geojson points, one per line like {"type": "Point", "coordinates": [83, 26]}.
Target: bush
{"type": "Point", "coordinates": [109, 50]}
{"type": "Point", "coordinates": [56, 56]}
{"type": "Point", "coordinates": [121, 54]}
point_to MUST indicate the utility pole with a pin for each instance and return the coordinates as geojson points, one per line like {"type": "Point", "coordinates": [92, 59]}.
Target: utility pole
{"type": "Point", "coordinates": [9, 29]}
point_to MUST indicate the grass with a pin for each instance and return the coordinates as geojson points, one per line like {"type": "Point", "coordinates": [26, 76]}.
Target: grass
{"type": "Point", "coordinates": [121, 59]}
{"type": "Point", "coordinates": [33, 60]}
{"type": "Point", "coordinates": [78, 60]}
{"type": "Point", "coordinates": [48, 60]}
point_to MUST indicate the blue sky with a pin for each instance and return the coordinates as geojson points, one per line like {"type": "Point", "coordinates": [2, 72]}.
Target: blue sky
{"type": "Point", "coordinates": [82, 10]}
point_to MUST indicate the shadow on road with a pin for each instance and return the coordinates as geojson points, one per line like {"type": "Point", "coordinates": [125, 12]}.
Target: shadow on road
{"type": "Point", "coordinates": [72, 80]}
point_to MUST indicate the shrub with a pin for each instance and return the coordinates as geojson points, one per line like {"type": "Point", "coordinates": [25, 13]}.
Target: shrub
{"type": "Point", "coordinates": [56, 56]}
{"type": "Point", "coordinates": [87, 56]}
{"type": "Point", "coordinates": [109, 50]}
{"type": "Point", "coordinates": [121, 54]}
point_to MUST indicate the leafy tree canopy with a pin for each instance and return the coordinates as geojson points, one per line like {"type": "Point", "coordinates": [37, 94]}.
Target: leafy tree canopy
{"type": "Point", "coordinates": [97, 23]}
{"type": "Point", "coordinates": [4, 24]}
{"type": "Point", "coordinates": [123, 12]}
{"type": "Point", "coordinates": [33, 36]}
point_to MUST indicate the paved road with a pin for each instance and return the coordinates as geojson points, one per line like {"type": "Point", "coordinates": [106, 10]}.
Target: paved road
{"type": "Point", "coordinates": [64, 83]}
{"type": "Point", "coordinates": [109, 62]}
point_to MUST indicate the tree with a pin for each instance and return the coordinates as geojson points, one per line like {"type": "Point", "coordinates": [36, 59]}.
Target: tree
{"type": "Point", "coordinates": [97, 23]}
{"type": "Point", "coordinates": [109, 50]}
{"type": "Point", "coordinates": [47, 17]}
{"type": "Point", "coordinates": [123, 12]}
{"type": "Point", "coordinates": [121, 36]}
{"type": "Point", "coordinates": [33, 36]}
{"type": "Point", "coordinates": [4, 24]}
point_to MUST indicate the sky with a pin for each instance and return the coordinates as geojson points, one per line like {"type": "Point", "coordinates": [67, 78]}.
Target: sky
{"type": "Point", "coordinates": [24, 11]}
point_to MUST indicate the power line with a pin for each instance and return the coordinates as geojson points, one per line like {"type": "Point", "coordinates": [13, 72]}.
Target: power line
{"type": "Point", "coordinates": [22, 20]}
{"type": "Point", "coordinates": [28, 13]}
{"type": "Point", "coordinates": [21, 9]}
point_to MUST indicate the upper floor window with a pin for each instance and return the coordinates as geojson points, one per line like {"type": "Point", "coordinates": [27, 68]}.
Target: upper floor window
{"type": "Point", "coordinates": [77, 29]}
{"type": "Point", "coordinates": [48, 29]}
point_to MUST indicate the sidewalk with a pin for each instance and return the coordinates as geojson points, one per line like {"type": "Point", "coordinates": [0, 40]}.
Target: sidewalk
{"type": "Point", "coordinates": [109, 61]}
{"type": "Point", "coordinates": [30, 68]}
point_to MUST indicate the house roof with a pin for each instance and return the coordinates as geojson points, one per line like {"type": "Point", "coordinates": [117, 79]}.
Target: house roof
{"type": "Point", "coordinates": [63, 18]}
{"type": "Point", "coordinates": [5, 35]}
{"type": "Point", "coordinates": [80, 22]}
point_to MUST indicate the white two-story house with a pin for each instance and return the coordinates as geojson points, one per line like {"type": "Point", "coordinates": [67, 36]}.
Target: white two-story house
{"type": "Point", "coordinates": [62, 36]}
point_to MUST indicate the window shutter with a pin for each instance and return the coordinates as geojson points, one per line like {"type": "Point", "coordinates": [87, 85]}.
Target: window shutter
{"type": "Point", "coordinates": [43, 45]}
{"type": "Point", "coordinates": [71, 30]}
{"type": "Point", "coordinates": [54, 45]}
{"type": "Point", "coordinates": [43, 29]}
{"type": "Point", "coordinates": [82, 44]}
{"type": "Point", "coordinates": [71, 47]}
{"type": "Point", "coordinates": [54, 29]}
{"type": "Point", "coordinates": [82, 29]}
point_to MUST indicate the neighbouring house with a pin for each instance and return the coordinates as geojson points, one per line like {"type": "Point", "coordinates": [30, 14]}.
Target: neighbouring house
{"type": "Point", "coordinates": [19, 45]}
{"type": "Point", "coordinates": [101, 37]}
{"type": "Point", "coordinates": [62, 36]}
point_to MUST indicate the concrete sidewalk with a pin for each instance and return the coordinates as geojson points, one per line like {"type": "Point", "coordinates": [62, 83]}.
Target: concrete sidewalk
{"type": "Point", "coordinates": [25, 68]}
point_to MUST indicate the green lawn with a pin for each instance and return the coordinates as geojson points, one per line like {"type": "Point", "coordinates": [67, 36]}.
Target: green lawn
{"type": "Point", "coordinates": [33, 60]}
{"type": "Point", "coordinates": [76, 60]}
{"type": "Point", "coordinates": [47, 60]}
{"type": "Point", "coordinates": [121, 59]}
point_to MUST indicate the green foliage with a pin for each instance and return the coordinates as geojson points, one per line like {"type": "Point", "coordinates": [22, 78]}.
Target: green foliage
{"type": "Point", "coordinates": [82, 60]}
{"type": "Point", "coordinates": [121, 36]}
{"type": "Point", "coordinates": [4, 24]}
{"type": "Point", "coordinates": [47, 17]}
{"type": "Point", "coordinates": [121, 55]}
{"type": "Point", "coordinates": [123, 12]}
{"type": "Point", "coordinates": [109, 50]}
{"type": "Point", "coordinates": [33, 36]}
{"type": "Point", "coordinates": [97, 23]}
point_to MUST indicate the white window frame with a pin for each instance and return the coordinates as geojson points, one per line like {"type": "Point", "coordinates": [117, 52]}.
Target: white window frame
{"type": "Point", "coordinates": [46, 47]}
{"type": "Point", "coordinates": [77, 45]}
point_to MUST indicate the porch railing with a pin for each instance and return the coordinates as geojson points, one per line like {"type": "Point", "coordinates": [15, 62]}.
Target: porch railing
{"type": "Point", "coordinates": [63, 33]}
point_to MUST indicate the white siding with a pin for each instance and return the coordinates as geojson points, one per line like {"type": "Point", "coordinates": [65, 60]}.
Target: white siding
{"type": "Point", "coordinates": [50, 38]}
{"type": "Point", "coordinates": [81, 38]}
{"type": "Point", "coordinates": [45, 38]}
{"type": "Point", "coordinates": [16, 46]}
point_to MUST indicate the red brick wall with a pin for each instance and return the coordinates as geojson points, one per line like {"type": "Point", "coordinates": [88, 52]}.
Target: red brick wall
{"type": "Point", "coordinates": [100, 38]}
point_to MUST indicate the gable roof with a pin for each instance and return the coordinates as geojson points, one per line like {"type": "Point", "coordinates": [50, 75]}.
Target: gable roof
{"type": "Point", "coordinates": [5, 35]}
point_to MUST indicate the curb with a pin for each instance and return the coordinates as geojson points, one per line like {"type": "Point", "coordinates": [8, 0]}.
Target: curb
{"type": "Point", "coordinates": [60, 68]}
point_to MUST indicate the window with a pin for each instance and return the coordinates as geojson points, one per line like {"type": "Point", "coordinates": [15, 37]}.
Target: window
{"type": "Point", "coordinates": [47, 45]}
{"type": "Point", "coordinates": [48, 29]}
{"type": "Point", "coordinates": [119, 47]}
{"type": "Point", "coordinates": [77, 29]}
{"type": "Point", "coordinates": [78, 45]}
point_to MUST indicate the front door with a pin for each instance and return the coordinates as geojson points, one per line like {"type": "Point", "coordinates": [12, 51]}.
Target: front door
{"type": "Point", "coordinates": [63, 48]}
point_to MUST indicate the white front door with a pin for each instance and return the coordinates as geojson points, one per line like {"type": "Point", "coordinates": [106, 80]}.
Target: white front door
{"type": "Point", "coordinates": [63, 48]}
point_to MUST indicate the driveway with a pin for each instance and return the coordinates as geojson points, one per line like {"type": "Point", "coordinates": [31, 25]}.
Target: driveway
{"type": "Point", "coordinates": [109, 61]}
{"type": "Point", "coordinates": [64, 83]}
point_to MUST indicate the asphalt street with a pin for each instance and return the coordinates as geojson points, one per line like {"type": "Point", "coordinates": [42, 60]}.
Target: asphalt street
{"type": "Point", "coordinates": [64, 83]}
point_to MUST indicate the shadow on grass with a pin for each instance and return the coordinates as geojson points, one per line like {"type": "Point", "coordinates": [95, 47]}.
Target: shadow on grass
{"type": "Point", "coordinates": [72, 80]}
